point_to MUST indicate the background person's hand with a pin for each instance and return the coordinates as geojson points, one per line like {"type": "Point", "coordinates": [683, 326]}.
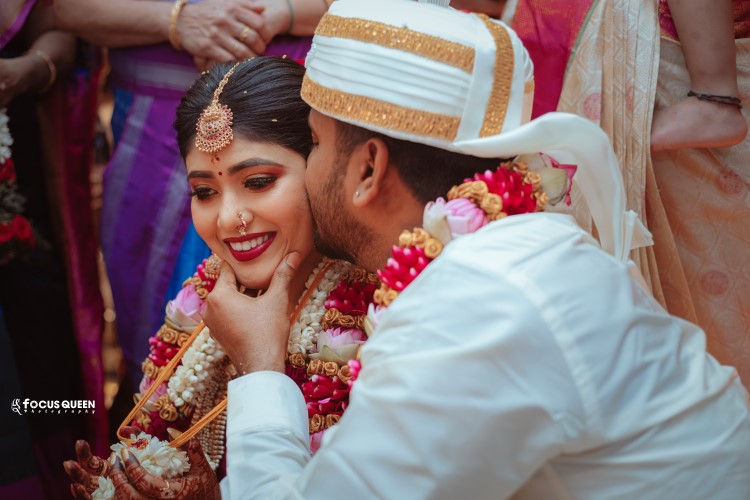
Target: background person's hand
{"type": "Point", "coordinates": [132, 481]}
{"type": "Point", "coordinates": [17, 76]}
{"type": "Point", "coordinates": [254, 332]}
{"type": "Point", "coordinates": [223, 30]}
{"type": "Point", "coordinates": [203, 64]}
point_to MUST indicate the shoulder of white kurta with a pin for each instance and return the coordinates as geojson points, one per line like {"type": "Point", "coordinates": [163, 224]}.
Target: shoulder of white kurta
{"type": "Point", "coordinates": [467, 307]}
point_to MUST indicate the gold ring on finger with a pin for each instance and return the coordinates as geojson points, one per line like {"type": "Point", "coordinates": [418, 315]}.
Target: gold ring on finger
{"type": "Point", "coordinates": [243, 34]}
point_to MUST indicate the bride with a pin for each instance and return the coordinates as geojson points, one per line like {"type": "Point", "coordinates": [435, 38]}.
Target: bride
{"type": "Point", "coordinates": [242, 129]}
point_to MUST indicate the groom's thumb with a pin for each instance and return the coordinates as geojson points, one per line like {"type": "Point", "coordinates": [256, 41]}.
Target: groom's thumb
{"type": "Point", "coordinates": [226, 278]}
{"type": "Point", "coordinates": [285, 272]}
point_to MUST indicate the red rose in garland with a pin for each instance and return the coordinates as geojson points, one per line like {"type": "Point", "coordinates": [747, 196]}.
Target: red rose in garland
{"type": "Point", "coordinates": [23, 230]}
{"type": "Point", "coordinates": [6, 233]}
{"type": "Point", "coordinates": [7, 171]}
{"type": "Point", "coordinates": [16, 234]}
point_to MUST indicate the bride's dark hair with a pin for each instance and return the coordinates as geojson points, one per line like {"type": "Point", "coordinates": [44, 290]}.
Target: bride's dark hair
{"type": "Point", "coordinates": [264, 96]}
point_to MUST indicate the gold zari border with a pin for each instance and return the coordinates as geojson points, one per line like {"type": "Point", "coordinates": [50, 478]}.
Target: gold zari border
{"type": "Point", "coordinates": [427, 46]}
{"type": "Point", "coordinates": [379, 113]}
{"type": "Point", "coordinates": [503, 78]}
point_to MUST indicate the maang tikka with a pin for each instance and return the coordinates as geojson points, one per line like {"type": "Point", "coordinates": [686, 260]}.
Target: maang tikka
{"type": "Point", "coordinates": [214, 127]}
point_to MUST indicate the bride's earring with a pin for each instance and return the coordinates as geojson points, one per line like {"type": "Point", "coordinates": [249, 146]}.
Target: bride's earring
{"type": "Point", "coordinates": [242, 225]}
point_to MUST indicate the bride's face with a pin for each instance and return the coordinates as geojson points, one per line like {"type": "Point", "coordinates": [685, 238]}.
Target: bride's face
{"type": "Point", "coordinates": [266, 184]}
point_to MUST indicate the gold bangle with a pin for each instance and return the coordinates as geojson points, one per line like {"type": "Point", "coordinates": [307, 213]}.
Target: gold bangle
{"type": "Point", "coordinates": [50, 66]}
{"type": "Point", "coordinates": [291, 17]}
{"type": "Point", "coordinates": [174, 37]}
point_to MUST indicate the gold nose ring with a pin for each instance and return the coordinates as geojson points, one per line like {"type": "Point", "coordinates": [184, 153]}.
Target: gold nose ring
{"type": "Point", "coordinates": [242, 225]}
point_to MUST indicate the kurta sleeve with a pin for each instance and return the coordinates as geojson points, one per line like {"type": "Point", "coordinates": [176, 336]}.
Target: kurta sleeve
{"type": "Point", "coordinates": [267, 435]}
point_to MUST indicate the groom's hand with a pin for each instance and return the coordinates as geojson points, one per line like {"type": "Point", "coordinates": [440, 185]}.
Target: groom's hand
{"type": "Point", "coordinates": [252, 331]}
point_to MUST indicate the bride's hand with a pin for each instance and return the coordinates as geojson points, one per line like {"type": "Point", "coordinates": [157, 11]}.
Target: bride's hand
{"type": "Point", "coordinates": [132, 481]}
{"type": "Point", "coordinates": [85, 471]}
{"type": "Point", "coordinates": [252, 331]}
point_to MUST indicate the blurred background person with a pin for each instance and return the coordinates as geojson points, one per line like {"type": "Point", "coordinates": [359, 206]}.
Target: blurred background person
{"type": "Point", "coordinates": [617, 62]}
{"type": "Point", "coordinates": [49, 298]}
{"type": "Point", "coordinates": [493, 8]}
{"type": "Point", "coordinates": [157, 49]}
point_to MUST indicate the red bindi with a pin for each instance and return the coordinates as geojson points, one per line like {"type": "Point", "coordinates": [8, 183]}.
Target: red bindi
{"type": "Point", "coordinates": [220, 173]}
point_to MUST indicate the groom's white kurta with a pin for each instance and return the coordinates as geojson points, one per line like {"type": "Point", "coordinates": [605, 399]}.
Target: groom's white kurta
{"type": "Point", "coordinates": [523, 361]}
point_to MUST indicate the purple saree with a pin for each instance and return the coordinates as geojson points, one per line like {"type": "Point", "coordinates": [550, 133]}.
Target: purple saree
{"type": "Point", "coordinates": [146, 202]}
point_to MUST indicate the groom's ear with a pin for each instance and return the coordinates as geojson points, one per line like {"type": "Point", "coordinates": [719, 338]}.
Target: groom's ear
{"type": "Point", "coordinates": [373, 168]}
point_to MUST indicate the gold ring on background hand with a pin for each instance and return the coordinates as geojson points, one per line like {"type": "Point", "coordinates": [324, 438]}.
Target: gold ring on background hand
{"type": "Point", "coordinates": [243, 34]}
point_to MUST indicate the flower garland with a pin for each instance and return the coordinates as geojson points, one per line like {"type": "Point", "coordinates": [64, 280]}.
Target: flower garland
{"type": "Point", "coordinates": [327, 370]}
{"type": "Point", "coordinates": [16, 234]}
{"type": "Point", "coordinates": [511, 189]}
{"type": "Point", "coordinates": [154, 455]}
{"type": "Point", "coordinates": [323, 344]}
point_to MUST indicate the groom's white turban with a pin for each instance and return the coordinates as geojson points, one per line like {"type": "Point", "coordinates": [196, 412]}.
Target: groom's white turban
{"type": "Point", "coordinates": [423, 72]}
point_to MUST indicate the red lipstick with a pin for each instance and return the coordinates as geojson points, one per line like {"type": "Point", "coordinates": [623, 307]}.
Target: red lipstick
{"type": "Point", "coordinates": [252, 253]}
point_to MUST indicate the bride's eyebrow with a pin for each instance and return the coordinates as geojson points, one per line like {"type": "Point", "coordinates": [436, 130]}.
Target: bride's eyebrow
{"type": "Point", "coordinates": [252, 162]}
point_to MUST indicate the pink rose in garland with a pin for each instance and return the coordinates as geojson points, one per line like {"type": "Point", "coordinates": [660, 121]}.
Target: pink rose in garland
{"type": "Point", "coordinates": [187, 309]}
{"type": "Point", "coordinates": [464, 216]}
{"type": "Point", "coordinates": [343, 342]}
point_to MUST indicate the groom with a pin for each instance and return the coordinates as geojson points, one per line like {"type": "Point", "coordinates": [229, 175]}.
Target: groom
{"type": "Point", "coordinates": [510, 354]}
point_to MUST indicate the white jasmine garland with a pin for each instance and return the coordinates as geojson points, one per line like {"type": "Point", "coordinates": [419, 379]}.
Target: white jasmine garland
{"type": "Point", "coordinates": [105, 491]}
{"type": "Point", "coordinates": [303, 335]}
{"type": "Point", "coordinates": [156, 456]}
{"type": "Point", "coordinates": [5, 138]}
{"type": "Point", "coordinates": [191, 377]}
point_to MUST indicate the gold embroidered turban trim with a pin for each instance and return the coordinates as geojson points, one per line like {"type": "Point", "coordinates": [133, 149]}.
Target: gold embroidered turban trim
{"type": "Point", "coordinates": [423, 73]}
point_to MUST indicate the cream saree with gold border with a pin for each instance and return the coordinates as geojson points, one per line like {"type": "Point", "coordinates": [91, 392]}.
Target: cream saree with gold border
{"type": "Point", "coordinates": [696, 202]}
